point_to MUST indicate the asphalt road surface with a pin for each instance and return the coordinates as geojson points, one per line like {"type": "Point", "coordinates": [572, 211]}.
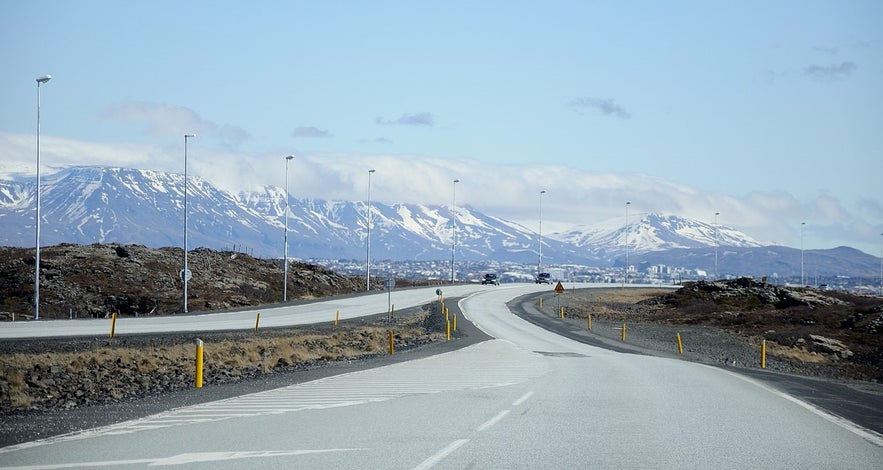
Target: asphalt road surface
{"type": "Point", "coordinates": [349, 306]}
{"type": "Point", "coordinates": [526, 399]}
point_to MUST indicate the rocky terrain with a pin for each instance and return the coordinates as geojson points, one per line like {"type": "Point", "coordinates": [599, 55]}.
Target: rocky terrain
{"type": "Point", "coordinates": [807, 331]}
{"type": "Point", "coordinates": [97, 280]}
{"type": "Point", "coordinates": [65, 373]}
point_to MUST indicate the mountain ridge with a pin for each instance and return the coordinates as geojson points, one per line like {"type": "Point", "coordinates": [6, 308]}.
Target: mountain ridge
{"type": "Point", "coordinates": [93, 204]}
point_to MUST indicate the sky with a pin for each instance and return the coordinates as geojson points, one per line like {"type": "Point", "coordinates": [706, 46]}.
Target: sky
{"type": "Point", "coordinates": [762, 116]}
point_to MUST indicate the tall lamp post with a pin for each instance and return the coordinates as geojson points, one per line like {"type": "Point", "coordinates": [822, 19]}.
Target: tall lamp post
{"type": "Point", "coordinates": [716, 243]}
{"type": "Point", "coordinates": [41, 80]}
{"type": "Point", "coordinates": [453, 226]}
{"type": "Point", "coordinates": [368, 224]}
{"type": "Point", "coordinates": [626, 277]}
{"type": "Point", "coordinates": [185, 273]}
{"type": "Point", "coordinates": [285, 250]}
{"type": "Point", "coordinates": [802, 277]}
{"type": "Point", "coordinates": [881, 264]}
{"type": "Point", "coordinates": [540, 251]}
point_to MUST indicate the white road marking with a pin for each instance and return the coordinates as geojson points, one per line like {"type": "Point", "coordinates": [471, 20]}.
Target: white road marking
{"type": "Point", "coordinates": [487, 424]}
{"type": "Point", "coordinates": [492, 363]}
{"type": "Point", "coordinates": [523, 399]}
{"type": "Point", "coordinates": [433, 460]}
{"type": "Point", "coordinates": [866, 434]}
{"type": "Point", "coordinates": [184, 459]}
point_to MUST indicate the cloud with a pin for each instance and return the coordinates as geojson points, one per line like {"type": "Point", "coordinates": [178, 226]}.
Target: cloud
{"type": "Point", "coordinates": [573, 196]}
{"type": "Point", "coordinates": [416, 119]}
{"type": "Point", "coordinates": [825, 50]}
{"type": "Point", "coordinates": [310, 132]}
{"type": "Point", "coordinates": [607, 106]}
{"type": "Point", "coordinates": [831, 72]}
{"type": "Point", "coordinates": [376, 140]}
{"type": "Point", "coordinates": [164, 120]}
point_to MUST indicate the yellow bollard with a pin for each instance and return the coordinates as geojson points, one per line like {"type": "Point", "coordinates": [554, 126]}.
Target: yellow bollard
{"type": "Point", "coordinates": [541, 302]}
{"type": "Point", "coordinates": [448, 330]}
{"type": "Point", "coordinates": [562, 313]}
{"type": "Point", "coordinates": [257, 321]}
{"type": "Point", "coordinates": [763, 354]}
{"type": "Point", "coordinates": [336, 317]}
{"type": "Point", "coordinates": [680, 345]}
{"type": "Point", "coordinates": [590, 322]}
{"type": "Point", "coordinates": [455, 322]}
{"type": "Point", "coordinates": [392, 347]}
{"type": "Point", "coordinates": [447, 317]}
{"type": "Point", "coordinates": [623, 331]}
{"type": "Point", "coordinates": [199, 352]}
{"type": "Point", "coordinates": [113, 323]}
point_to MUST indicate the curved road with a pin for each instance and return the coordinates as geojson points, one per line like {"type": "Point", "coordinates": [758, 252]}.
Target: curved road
{"type": "Point", "coordinates": [527, 399]}
{"type": "Point", "coordinates": [352, 306]}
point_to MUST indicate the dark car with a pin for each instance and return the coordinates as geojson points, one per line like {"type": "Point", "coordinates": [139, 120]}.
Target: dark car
{"type": "Point", "coordinates": [544, 278]}
{"type": "Point", "coordinates": [490, 279]}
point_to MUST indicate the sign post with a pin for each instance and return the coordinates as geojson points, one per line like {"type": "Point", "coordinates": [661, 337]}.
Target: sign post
{"type": "Point", "coordinates": [559, 289]}
{"type": "Point", "coordinates": [390, 285]}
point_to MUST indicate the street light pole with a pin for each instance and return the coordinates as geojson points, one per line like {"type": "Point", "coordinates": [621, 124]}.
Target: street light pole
{"type": "Point", "coordinates": [368, 224]}
{"type": "Point", "coordinates": [802, 278]}
{"type": "Point", "coordinates": [716, 243]}
{"type": "Point", "coordinates": [453, 226]}
{"type": "Point", "coordinates": [40, 81]}
{"type": "Point", "coordinates": [540, 259]}
{"type": "Point", "coordinates": [285, 251]}
{"type": "Point", "coordinates": [626, 277]}
{"type": "Point", "coordinates": [881, 264]}
{"type": "Point", "coordinates": [185, 274]}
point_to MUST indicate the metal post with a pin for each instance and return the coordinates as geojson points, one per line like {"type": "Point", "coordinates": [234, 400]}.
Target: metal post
{"type": "Point", "coordinates": [453, 226]}
{"type": "Point", "coordinates": [626, 277]}
{"type": "Point", "coordinates": [368, 224]}
{"type": "Point", "coordinates": [185, 274]}
{"type": "Point", "coordinates": [540, 250]}
{"type": "Point", "coordinates": [802, 277]}
{"type": "Point", "coordinates": [716, 277]}
{"type": "Point", "coordinates": [285, 250]}
{"type": "Point", "coordinates": [40, 80]}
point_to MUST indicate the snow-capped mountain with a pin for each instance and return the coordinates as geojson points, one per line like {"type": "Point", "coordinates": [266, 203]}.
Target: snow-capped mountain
{"type": "Point", "coordinates": [653, 232]}
{"type": "Point", "coordinates": [87, 205]}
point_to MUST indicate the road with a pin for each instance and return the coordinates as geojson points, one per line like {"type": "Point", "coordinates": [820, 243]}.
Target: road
{"type": "Point", "coordinates": [527, 399]}
{"type": "Point", "coordinates": [296, 314]}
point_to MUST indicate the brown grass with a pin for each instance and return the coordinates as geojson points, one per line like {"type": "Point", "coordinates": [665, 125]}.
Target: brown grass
{"type": "Point", "coordinates": [265, 352]}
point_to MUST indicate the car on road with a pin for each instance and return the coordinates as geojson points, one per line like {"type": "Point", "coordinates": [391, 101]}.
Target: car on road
{"type": "Point", "coordinates": [490, 279]}
{"type": "Point", "coordinates": [544, 278]}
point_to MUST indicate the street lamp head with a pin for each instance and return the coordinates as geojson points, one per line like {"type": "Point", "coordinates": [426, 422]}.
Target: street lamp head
{"type": "Point", "coordinates": [189, 135]}
{"type": "Point", "coordinates": [44, 79]}
{"type": "Point", "coordinates": [543, 191]}
{"type": "Point", "coordinates": [289, 157]}
{"type": "Point", "coordinates": [371, 170]}
{"type": "Point", "coordinates": [456, 181]}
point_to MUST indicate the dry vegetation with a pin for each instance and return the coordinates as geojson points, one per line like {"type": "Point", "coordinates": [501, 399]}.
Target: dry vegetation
{"type": "Point", "coordinates": [824, 328]}
{"type": "Point", "coordinates": [75, 372]}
